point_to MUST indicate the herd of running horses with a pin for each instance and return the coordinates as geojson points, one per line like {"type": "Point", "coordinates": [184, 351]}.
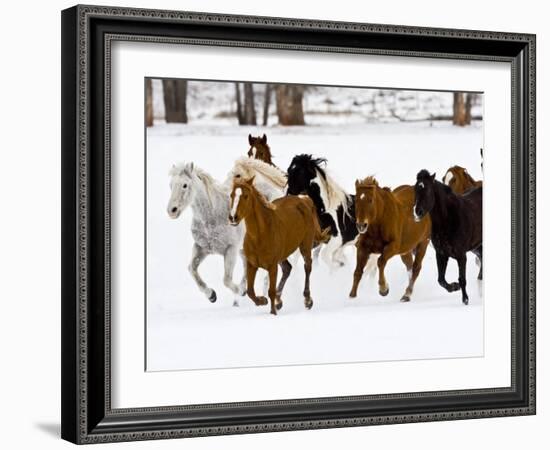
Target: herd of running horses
{"type": "Point", "coordinates": [263, 215]}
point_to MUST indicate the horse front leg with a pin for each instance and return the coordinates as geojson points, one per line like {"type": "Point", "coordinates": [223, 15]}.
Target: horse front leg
{"type": "Point", "coordinates": [362, 258]}
{"type": "Point", "coordinates": [462, 277]}
{"type": "Point", "coordinates": [419, 254]}
{"type": "Point", "coordinates": [250, 279]}
{"type": "Point", "coordinates": [229, 261]}
{"type": "Point", "coordinates": [389, 251]}
{"type": "Point", "coordinates": [442, 261]}
{"type": "Point", "coordinates": [273, 288]}
{"type": "Point", "coordinates": [197, 257]}
{"type": "Point", "coordinates": [479, 260]}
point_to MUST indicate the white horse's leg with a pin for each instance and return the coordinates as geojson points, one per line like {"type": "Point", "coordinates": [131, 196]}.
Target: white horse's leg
{"type": "Point", "coordinates": [197, 257]}
{"type": "Point", "coordinates": [242, 285]}
{"type": "Point", "coordinates": [316, 252]}
{"type": "Point", "coordinates": [229, 260]}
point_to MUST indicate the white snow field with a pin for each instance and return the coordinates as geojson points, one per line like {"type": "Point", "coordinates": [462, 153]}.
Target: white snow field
{"type": "Point", "coordinates": [185, 331]}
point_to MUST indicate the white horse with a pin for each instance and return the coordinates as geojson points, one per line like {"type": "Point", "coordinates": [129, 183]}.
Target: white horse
{"type": "Point", "coordinates": [210, 228]}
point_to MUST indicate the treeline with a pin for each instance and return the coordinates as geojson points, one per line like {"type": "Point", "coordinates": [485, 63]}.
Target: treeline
{"type": "Point", "coordinates": [288, 103]}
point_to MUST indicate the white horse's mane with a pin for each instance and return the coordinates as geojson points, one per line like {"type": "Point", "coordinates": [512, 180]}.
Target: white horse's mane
{"type": "Point", "coordinates": [255, 166]}
{"type": "Point", "coordinates": [190, 169]}
{"type": "Point", "coordinates": [336, 196]}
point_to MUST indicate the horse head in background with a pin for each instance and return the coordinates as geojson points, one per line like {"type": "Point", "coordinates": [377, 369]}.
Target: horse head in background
{"type": "Point", "coordinates": [459, 180]}
{"type": "Point", "coordinates": [259, 149]}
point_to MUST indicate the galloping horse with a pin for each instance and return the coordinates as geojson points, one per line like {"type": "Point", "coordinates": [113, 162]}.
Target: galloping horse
{"type": "Point", "coordinates": [192, 186]}
{"type": "Point", "coordinates": [259, 149]}
{"type": "Point", "coordinates": [459, 180]}
{"type": "Point", "coordinates": [456, 225]}
{"type": "Point", "coordinates": [268, 179]}
{"type": "Point", "coordinates": [273, 232]}
{"type": "Point", "coordinates": [335, 208]}
{"type": "Point", "coordinates": [386, 227]}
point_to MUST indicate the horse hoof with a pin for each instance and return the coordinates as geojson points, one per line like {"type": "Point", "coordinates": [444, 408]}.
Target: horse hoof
{"type": "Point", "coordinates": [454, 287]}
{"type": "Point", "coordinates": [465, 301]}
{"type": "Point", "coordinates": [352, 294]}
{"type": "Point", "coordinates": [308, 303]}
{"type": "Point", "coordinates": [384, 293]}
{"type": "Point", "coordinates": [261, 301]}
{"type": "Point", "coordinates": [274, 312]}
{"type": "Point", "coordinates": [405, 298]}
{"type": "Point", "coordinates": [213, 297]}
{"type": "Point", "coordinates": [279, 306]}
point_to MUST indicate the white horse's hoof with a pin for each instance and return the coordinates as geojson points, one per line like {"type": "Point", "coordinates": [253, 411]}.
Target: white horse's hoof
{"type": "Point", "coordinates": [236, 303]}
{"type": "Point", "coordinates": [212, 297]}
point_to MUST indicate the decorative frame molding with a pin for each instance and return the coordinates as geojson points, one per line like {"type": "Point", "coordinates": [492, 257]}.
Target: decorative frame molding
{"type": "Point", "coordinates": [87, 34]}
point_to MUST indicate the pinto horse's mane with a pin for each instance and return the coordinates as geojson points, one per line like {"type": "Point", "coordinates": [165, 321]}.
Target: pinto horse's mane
{"type": "Point", "coordinates": [336, 196]}
{"type": "Point", "coordinates": [256, 166]}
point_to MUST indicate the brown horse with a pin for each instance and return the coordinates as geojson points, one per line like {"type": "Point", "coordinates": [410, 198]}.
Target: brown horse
{"type": "Point", "coordinates": [273, 232]}
{"type": "Point", "coordinates": [459, 180]}
{"type": "Point", "coordinates": [259, 149]}
{"type": "Point", "coordinates": [386, 226]}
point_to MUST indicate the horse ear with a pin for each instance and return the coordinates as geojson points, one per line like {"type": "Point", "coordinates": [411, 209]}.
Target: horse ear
{"type": "Point", "coordinates": [356, 183]}
{"type": "Point", "coordinates": [264, 139]}
{"type": "Point", "coordinates": [250, 141]}
{"type": "Point", "coordinates": [433, 176]}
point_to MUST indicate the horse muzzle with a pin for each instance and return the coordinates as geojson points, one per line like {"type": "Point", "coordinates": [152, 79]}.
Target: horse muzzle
{"type": "Point", "coordinates": [418, 215]}
{"type": "Point", "coordinates": [234, 220]}
{"type": "Point", "coordinates": [174, 212]}
{"type": "Point", "coordinates": [362, 227]}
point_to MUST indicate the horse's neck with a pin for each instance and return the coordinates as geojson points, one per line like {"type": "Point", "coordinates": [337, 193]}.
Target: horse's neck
{"type": "Point", "coordinates": [258, 223]}
{"type": "Point", "coordinates": [209, 203]}
{"type": "Point", "coordinates": [440, 214]}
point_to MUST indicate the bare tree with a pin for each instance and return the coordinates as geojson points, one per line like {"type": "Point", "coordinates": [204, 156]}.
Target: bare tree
{"type": "Point", "coordinates": [462, 110]}
{"type": "Point", "coordinates": [289, 104]}
{"type": "Point", "coordinates": [246, 110]}
{"type": "Point", "coordinates": [175, 100]}
{"type": "Point", "coordinates": [240, 115]}
{"type": "Point", "coordinates": [267, 102]}
{"type": "Point", "coordinates": [148, 102]}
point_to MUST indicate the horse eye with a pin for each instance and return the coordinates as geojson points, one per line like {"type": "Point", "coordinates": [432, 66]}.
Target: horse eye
{"type": "Point", "coordinates": [238, 176]}
{"type": "Point", "coordinates": [185, 186]}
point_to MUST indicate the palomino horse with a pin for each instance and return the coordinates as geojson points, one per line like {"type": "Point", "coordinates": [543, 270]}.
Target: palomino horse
{"type": "Point", "coordinates": [386, 226]}
{"type": "Point", "coordinates": [259, 149]}
{"type": "Point", "coordinates": [268, 179]}
{"type": "Point", "coordinates": [459, 180]}
{"type": "Point", "coordinates": [335, 208]}
{"type": "Point", "coordinates": [273, 232]}
{"type": "Point", "coordinates": [456, 225]}
{"type": "Point", "coordinates": [191, 186]}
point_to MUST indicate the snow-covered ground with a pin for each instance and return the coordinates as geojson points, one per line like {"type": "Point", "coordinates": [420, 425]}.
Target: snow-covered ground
{"type": "Point", "coordinates": [185, 331]}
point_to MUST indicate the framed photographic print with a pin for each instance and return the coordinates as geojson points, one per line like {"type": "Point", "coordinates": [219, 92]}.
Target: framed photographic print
{"type": "Point", "coordinates": [278, 224]}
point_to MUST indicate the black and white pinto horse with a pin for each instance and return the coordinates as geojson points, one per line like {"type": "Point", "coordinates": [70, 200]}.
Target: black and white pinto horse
{"type": "Point", "coordinates": [456, 225]}
{"type": "Point", "coordinates": [335, 207]}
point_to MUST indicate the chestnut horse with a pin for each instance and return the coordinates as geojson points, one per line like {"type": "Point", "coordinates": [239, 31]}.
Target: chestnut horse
{"type": "Point", "coordinates": [259, 149]}
{"type": "Point", "coordinates": [273, 232]}
{"type": "Point", "coordinates": [459, 180]}
{"type": "Point", "coordinates": [386, 226]}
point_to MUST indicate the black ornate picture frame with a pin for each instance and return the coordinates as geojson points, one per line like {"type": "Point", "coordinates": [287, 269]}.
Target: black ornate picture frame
{"type": "Point", "coordinates": [87, 35]}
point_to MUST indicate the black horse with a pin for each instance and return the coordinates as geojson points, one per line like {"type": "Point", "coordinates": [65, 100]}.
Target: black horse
{"type": "Point", "coordinates": [335, 208]}
{"type": "Point", "coordinates": [456, 225]}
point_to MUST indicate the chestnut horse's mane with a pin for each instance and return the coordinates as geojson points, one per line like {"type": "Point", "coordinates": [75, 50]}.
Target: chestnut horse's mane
{"type": "Point", "coordinates": [368, 181]}
{"type": "Point", "coordinates": [256, 166]}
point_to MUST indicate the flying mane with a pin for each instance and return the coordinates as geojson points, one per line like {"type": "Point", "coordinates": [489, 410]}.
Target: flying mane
{"type": "Point", "coordinates": [336, 196]}
{"type": "Point", "coordinates": [259, 195]}
{"type": "Point", "coordinates": [256, 166]}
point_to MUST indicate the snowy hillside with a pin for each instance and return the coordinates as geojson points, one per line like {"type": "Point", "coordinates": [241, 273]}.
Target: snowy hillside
{"type": "Point", "coordinates": [185, 331]}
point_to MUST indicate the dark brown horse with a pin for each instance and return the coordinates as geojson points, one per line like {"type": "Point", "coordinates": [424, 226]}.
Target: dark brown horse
{"type": "Point", "coordinates": [386, 227]}
{"type": "Point", "coordinates": [273, 232]}
{"type": "Point", "coordinates": [259, 149]}
{"type": "Point", "coordinates": [459, 180]}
